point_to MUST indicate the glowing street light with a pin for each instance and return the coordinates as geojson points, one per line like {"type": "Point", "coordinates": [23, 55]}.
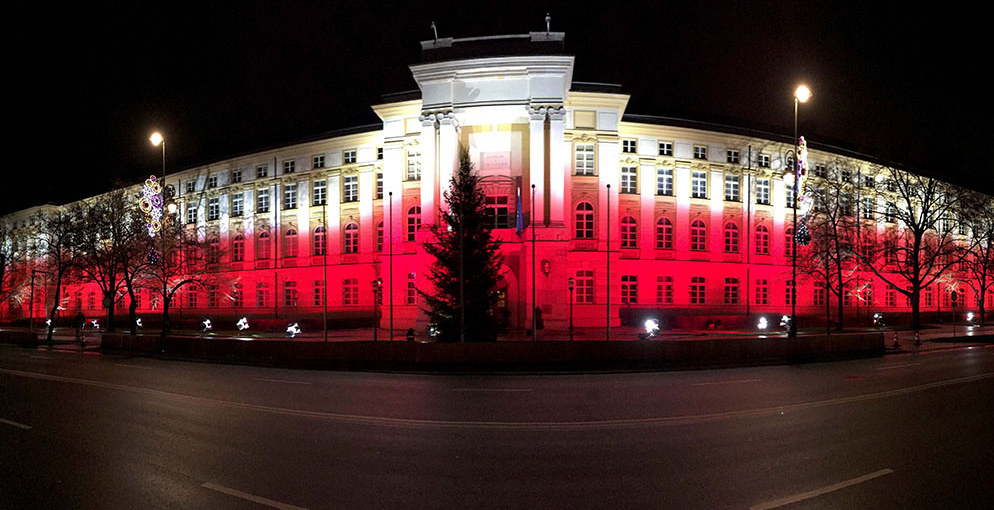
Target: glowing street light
{"type": "Point", "coordinates": [801, 95]}
{"type": "Point", "coordinates": [156, 139]}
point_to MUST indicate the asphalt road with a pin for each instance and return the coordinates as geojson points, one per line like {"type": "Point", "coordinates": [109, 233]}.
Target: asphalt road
{"type": "Point", "coordinates": [105, 432]}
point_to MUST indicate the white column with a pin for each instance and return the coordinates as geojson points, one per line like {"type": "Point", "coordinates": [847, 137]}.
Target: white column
{"type": "Point", "coordinates": [429, 187]}
{"type": "Point", "coordinates": [781, 214]}
{"type": "Point", "coordinates": [448, 152]}
{"type": "Point", "coordinates": [248, 223]}
{"type": "Point", "coordinates": [303, 217]}
{"type": "Point", "coordinates": [607, 170]}
{"type": "Point", "coordinates": [334, 226]}
{"type": "Point", "coordinates": [717, 227]}
{"type": "Point", "coordinates": [393, 169]}
{"type": "Point", "coordinates": [367, 192]}
{"type": "Point", "coordinates": [681, 228]}
{"type": "Point", "coordinates": [558, 165]}
{"type": "Point", "coordinates": [647, 192]}
{"type": "Point", "coordinates": [536, 163]}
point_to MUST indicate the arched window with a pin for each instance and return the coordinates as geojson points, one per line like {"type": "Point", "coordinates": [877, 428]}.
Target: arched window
{"type": "Point", "coordinates": [664, 234]}
{"type": "Point", "coordinates": [762, 240]}
{"type": "Point", "coordinates": [731, 238]}
{"type": "Point", "coordinates": [290, 243]}
{"type": "Point", "coordinates": [320, 240]}
{"type": "Point", "coordinates": [584, 221]}
{"type": "Point", "coordinates": [698, 236]}
{"type": "Point", "coordinates": [413, 222]}
{"type": "Point", "coordinates": [213, 251]}
{"type": "Point", "coordinates": [263, 246]}
{"type": "Point", "coordinates": [629, 234]}
{"type": "Point", "coordinates": [379, 236]}
{"type": "Point", "coordinates": [351, 239]}
{"type": "Point", "coordinates": [238, 248]}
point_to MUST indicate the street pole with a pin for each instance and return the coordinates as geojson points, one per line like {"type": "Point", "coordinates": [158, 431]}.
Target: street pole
{"type": "Point", "coordinates": [792, 333]}
{"type": "Point", "coordinates": [324, 298]}
{"type": "Point", "coordinates": [534, 281]}
{"type": "Point", "coordinates": [570, 285]}
{"type": "Point", "coordinates": [608, 251]}
{"type": "Point", "coordinates": [31, 305]}
{"type": "Point", "coordinates": [390, 263]}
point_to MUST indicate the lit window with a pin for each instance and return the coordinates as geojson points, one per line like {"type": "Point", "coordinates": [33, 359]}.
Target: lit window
{"type": "Point", "coordinates": [351, 239]}
{"type": "Point", "coordinates": [762, 240]}
{"type": "Point", "coordinates": [262, 201]}
{"type": "Point", "coordinates": [290, 196]}
{"type": "Point", "coordinates": [731, 238]}
{"type": "Point", "coordinates": [699, 184]}
{"type": "Point", "coordinates": [698, 290]}
{"type": "Point", "coordinates": [629, 289]}
{"type": "Point", "coordinates": [584, 287]}
{"type": "Point", "coordinates": [379, 185]}
{"type": "Point", "coordinates": [763, 161]}
{"type": "Point", "coordinates": [664, 181]}
{"type": "Point", "coordinates": [191, 213]}
{"type": "Point", "coordinates": [320, 241]}
{"type": "Point", "coordinates": [664, 234]}
{"type": "Point", "coordinates": [237, 204]}
{"type": "Point", "coordinates": [290, 243]}
{"type": "Point", "coordinates": [763, 191]}
{"type": "Point", "coordinates": [584, 225]}
{"type": "Point", "coordinates": [350, 190]}
{"type": "Point", "coordinates": [213, 208]}
{"type": "Point", "coordinates": [413, 222]}
{"type": "Point", "coordinates": [584, 158]}
{"type": "Point", "coordinates": [629, 179]}
{"type": "Point", "coordinates": [732, 188]}
{"type": "Point", "coordinates": [413, 165]}
{"type": "Point", "coordinates": [320, 192]}
{"type": "Point", "coordinates": [698, 236]}
{"type": "Point", "coordinates": [629, 237]}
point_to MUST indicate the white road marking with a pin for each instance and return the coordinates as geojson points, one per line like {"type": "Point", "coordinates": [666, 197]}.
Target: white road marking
{"type": "Point", "coordinates": [539, 425]}
{"type": "Point", "coordinates": [888, 367]}
{"type": "Point", "coordinates": [282, 381]}
{"type": "Point", "coordinates": [726, 382]}
{"type": "Point", "coordinates": [492, 389]}
{"type": "Point", "coordinates": [251, 497]}
{"type": "Point", "coordinates": [818, 492]}
{"type": "Point", "coordinates": [133, 366]}
{"type": "Point", "coordinates": [41, 357]}
{"type": "Point", "coordinates": [15, 424]}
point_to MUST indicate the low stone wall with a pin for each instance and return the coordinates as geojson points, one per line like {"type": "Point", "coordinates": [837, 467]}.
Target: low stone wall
{"type": "Point", "coordinates": [25, 338]}
{"type": "Point", "coordinates": [705, 352]}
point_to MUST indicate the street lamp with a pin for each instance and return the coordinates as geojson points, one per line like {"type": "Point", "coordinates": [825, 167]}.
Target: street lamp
{"type": "Point", "coordinates": [801, 95]}
{"type": "Point", "coordinates": [158, 140]}
{"type": "Point", "coordinates": [570, 283]}
{"type": "Point", "coordinates": [377, 284]}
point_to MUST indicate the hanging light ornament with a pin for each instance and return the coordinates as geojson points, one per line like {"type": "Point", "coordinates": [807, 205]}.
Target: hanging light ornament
{"type": "Point", "coordinates": [803, 200]}
{"type": "Point", "coordinates": [151, 204]}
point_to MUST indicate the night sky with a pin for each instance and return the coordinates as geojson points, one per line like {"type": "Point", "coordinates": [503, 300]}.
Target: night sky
{"type": "Point", "coordinates": [91, 83]}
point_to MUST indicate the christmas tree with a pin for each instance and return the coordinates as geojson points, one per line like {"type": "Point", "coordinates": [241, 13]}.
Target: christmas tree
{"type": "Point", "coordinates": [467, 264]}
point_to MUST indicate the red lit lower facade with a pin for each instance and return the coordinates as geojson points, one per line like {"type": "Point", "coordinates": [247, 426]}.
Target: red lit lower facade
{"type": "Point", "coordinates": [648, 217]}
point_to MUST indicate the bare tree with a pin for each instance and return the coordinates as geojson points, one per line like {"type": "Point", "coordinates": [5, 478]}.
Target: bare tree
{"type": "Point", "coordinates": [12, 276]}
{"type": "Point", "coordinates": [928, 213]}
{"type": "Point", "coordinates": [58, 236]}
{"type": "Point", "coordinates": [979, 262]}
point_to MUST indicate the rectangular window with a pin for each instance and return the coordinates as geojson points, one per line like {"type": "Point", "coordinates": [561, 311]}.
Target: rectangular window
{"type": "Point", "coordinates": [789, 196]}
{"type": "Point", "coordinates": [191, 186]}
{"type": "Point", "coordinates": [212, 181]}
{"type": "Point", "coordinates": [584, 154]}
{"type": "Point", "coordinates": [411, 298]}
{"type": "Point", "coordinates": [664, 290]}
{"type": "Point", "coordinates": [700, 152]}
{"type": "Point", "coordinates": [317, 161]}
{"type": "Point", "coordinates": [762, 292]}
{"type": "Point", "coordinates": [237, 296]}
{"type": "Point", "coordinates": [191, 213]}
{"type": "Point", "coordinates": [350, 188]}
{"type": "Point", "coordinates": [732, 156]}
{"type": "Point", "coordinates": [763, 191]}
{"type": "Point", "coordinates": [869, 181]}
{"type": "Point", "coordinates": [191, 296]}
{"type": "Point", "coordinates": [821, 171]}
{"type": "Point", "coordinates": [763, 161]}
{"type": "Point", "coordinates": [699, 184]}
{"type": "Point", "coordinates": [379, 185]}
{"type": "Point", "coordinates": [349, 156]}
{"type": "Point", "coordinates": [212, 295]}
{"type": "Point", "coordinates": [697, 290]}
{"type": "Point", "coordinates": [788, 294]}
{"type": "Point", "coordinates": [289, 166]}
{"type": "Point", "coordinates": [584, 287]}
{"type": "Point", "coordinates": [628, 146]}
{"type": "Point", "coordinates": [821, 294]}
{"type": "Point", "coordinates": [379, 153]}
{"type": "Point", "coordinates": [262, 201]}
{"type": "Point", "coordinates": [290, 196]}
{"type": "Point", "coordinates": [319, 293]}
{"type": "Point", "coordinates": [261, 171]}
{"type": "Point", "coordinates": [665, 148]}
{"type": "Point", "coordinates": [868, 208]}
{"type": "Point", "coordinates": [629, 179]}
{"type": "Point", "coordinates": [731, 291]}
{"type": "Point", "coordinates": [664, 181]}
{"type": "Point", "coordinates": [237, 204]}
{"type": "Point", "coordinates": [320, 192]}
{"type": "Point", "coordinates": [213, 208]}
{"type": "Point", "coordinates": [290, 293]}
{"type": "Point", "coordinates": [236, 176]}
{"type": "Point", "coordinates": [731, 188]}
{"type": "Point", "coordinates": [497, 211]}
{"type": "Point", "coordinates": [350, 292]}
{"type": "Point", "coordinates": [629, 289]}
{"type": "Point", "coordinates": [261, 294]}
{"type": "Point", "coordinates": [890, 295]}
{"type": "Point", "coordinates": [413, 165]}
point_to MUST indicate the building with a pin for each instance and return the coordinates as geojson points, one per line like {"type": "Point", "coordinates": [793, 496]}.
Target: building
{"type": "Point", "coordinates": [697, 217]}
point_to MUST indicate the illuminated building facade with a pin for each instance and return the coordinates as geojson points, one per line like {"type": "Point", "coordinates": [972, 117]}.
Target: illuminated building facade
{"type": "Point", "coordinates": [697, 215]}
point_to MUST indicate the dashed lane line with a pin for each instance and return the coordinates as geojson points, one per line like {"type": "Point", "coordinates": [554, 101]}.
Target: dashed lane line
{"type": "Point", "coordinates": [818, 492]}
{"type": "Point", "coordinates": [250, 497]}
{"type": "Point", "coordinates": [15, 424]}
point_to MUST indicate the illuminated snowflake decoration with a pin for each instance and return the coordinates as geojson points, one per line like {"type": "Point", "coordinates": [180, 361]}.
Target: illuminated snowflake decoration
{"type": "Point", "coordinates": [652, 327]}
{"type": "Point", "coordinates": [48, 322]}
{"type": "Point", "coordinates": [138, 322]}
{"type": "Point", "coordinates": [785, 321]}
{"type": "Point", "coordinates": [242, 324]}
{"type": "Point", "coordinates": [150, 203]}
{"type": "Point", "coordinates": [292, 330]}
{"type": "Point", "coordinates": [762, 323]}
{"type": "Point", "coordinates": [95, 324]}
{"type": "Point", "coordinates": [205, 326]}
{"type": "Point", "coordinates": [878, 319]}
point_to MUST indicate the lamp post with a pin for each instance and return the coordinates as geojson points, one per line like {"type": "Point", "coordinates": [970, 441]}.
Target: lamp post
{"type": "Point", "coordinates": [377, 284]}
{"type": "Point", "coordinates": [158, 140]}
{"type": "Point", "coordinates": [801, 95]}
{"type": "Point", "coordinates": [570, 283]}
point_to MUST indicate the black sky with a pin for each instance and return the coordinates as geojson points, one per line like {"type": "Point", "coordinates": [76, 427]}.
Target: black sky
{"type": "Point", "coordinates": [90, 83]}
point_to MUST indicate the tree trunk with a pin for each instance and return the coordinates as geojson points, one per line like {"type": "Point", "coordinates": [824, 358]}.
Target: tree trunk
{"type": "Point", "coordinates": [55, 308]}
{"type": "Point", "coordinates": [110, 309]}
{"type": "Point", "coordinates": [133, 325]}
{"type": "Point", "coordinates": [916, 323]}
{"type": "Point", "coordinates": [841, 325]}
{"type": "Point", "coordinates": [165, 316]}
